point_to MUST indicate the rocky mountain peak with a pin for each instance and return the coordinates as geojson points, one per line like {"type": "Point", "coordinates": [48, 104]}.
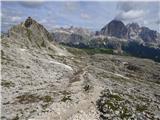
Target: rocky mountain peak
{"type": "Point", "coordinates": [115, 28]}
{"type": "Point", "coordinates": [28, 22]}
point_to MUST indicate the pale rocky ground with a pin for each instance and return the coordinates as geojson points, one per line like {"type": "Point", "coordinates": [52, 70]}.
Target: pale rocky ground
{"type": "Point", "coordinates": [52, 82]}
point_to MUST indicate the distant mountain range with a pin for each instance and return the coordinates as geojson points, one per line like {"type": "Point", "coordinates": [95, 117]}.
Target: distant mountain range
{"type": "Point", "coordinates": [115, 35]}
{"type": "Point", "coordinates": [131, 38]}
{"type": "Point", "coordinates": [115, 28]}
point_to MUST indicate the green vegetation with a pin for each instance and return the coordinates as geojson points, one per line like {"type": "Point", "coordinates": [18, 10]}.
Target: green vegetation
{"type": "Point", "coordinates": [116, 97]}
{"type": "Point", "coordinates": [86, 88]}
{"type": "Point", "coordinates": [142, 99]}
{"type": "Point", "coordinates": [7, 84]}
{"type": "Point", "coordinates": [47, 98]}
{"type": "Point", "coordinates": [141, 108]}
{"type": "Point", "coordinates": [16, 118]}
{"type": "Point", "coordinates": [92, 51]}
{"type": "Point", "coordinates": [27, 67]}
{"type": "Point", "coordinates": [89, 51]}
{"type": "Point", "coordinates": [32, 98]}
{"type": "Point", "coordinates": [112, 103]}
{"type": "Point", "coordinates": [75, 51]}
{"type": "Point", "coordinates": [125, 113]}
{"type": "Point", "coordinates": [29, 33]}
{"type": "Point", "coordinates": [66, 98]}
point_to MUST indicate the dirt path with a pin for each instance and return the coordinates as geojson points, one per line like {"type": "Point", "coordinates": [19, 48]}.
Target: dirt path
{"type": "Point", "coordinates": [85, 107]}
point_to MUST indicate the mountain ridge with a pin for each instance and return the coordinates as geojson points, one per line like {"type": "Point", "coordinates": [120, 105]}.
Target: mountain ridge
{"type": "Point", "coordinates": [130, 32]}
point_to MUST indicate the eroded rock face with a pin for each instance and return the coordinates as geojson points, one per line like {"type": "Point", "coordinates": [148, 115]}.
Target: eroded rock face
{"type": "Point", "coordinates": [133, 30]}
{"type": "Point", "coordinates": [148, 35]}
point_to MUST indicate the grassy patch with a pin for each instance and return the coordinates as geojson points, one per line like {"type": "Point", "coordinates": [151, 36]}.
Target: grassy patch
{"type": "Point", "coordinates": [66, 98]}
{"type": "Point", "coordinates": [76, 51]}
{"type": "Point", "coordinates": [92, 51]}
{"type": "Point", "coordinates": [7, 84]}
{"type": "Point", "coordinates": [87, 88]}
{"type": "Point", "coordinates": [47, 98]}
{"type": "Point", "coordinates": [27, 67]}
{"type": "Point", "coordinates": [32, 98]}
{"type": "Point", "coordinates": [142, 99]}
{"type": "Point", "coordinates": [16, 118]}
{"type": "Point", "coordinates": [141, 108]}
{"type": "Point", "coordinates": [124, 113]}
{"type": "Point", "coordinates": [110, 103]}
{"type": "Point", "coordinates": [116, 97]}
{"type": "Point", "coordinates": [29, 33]}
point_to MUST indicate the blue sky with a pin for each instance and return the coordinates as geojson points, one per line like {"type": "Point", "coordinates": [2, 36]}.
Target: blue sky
{"type": "Point", "coordinates": [91, 15]}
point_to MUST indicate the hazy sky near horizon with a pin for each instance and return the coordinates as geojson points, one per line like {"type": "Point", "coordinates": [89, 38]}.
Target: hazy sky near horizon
{"type": "Point", "coordinates": [92, 15]}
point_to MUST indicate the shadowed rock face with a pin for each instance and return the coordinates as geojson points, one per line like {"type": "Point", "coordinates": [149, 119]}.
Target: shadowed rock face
{"type": "Point", "coordinates": [115, 28]}
{"type": "Point", "coordinates": [148, 35]}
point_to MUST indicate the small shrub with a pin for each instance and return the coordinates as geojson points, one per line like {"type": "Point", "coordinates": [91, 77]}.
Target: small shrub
{"type": "Point", "coordinates": [141, 108]}
{"type": "Point", "coordinates": [27, 67]}
{"type": "Point", "coordinates": [7, 84]}
{"type": "Point", "coordinates": [16, 118]}
{"type": "Point", "coordinates": [32, 98]}
{"type": "Point", "coordinates": [86, 88]}
{"type": "Point", "coordinates": [66, 98]}
{"type": "Point", "coordinates": [47, 98]}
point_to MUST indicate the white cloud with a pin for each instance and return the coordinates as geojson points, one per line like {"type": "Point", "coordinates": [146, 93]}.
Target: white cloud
{"type": "Point", "coordinates": [15, 18]}
{"type": "Point", "coordinates": [130, 15]}
{"type": "Point", "coordinates": [157, 22]}
{"type": "Point", "coordinates": [85, 16]}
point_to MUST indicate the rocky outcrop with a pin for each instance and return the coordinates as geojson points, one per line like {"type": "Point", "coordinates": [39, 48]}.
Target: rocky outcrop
{"type": "Point", "coordinates": [133, 30]}
{"type": "Point", "coordinates": [31, 34]}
